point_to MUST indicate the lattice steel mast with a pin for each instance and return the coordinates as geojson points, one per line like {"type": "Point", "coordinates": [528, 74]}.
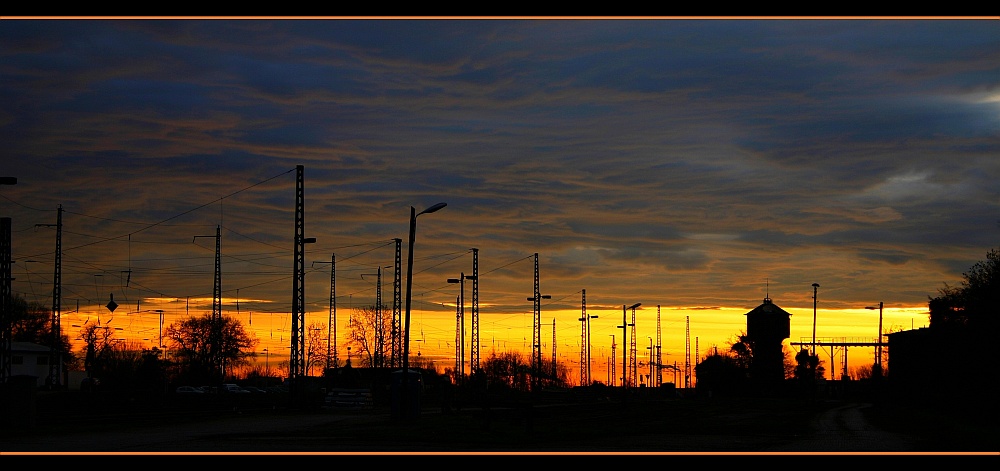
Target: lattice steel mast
{"type": "Point", "coordinates": [554, 372]}
{"type": "Point", "coordinates": [55, 363]}
{"type": "Point", "coordinates": [687, 352]}
{"type": "Point", "coordinates": [332, 318]}
{"type": "Point", "coordinates": [474, 354]}
{"type": "Point", "coordinates": [536, 332]}
{"type": "Point", "coordinates": [5, 291]}
{"type": "Point", "coordinates": [379, 322]}
{"type": "Point", "coordinates": [584, 373]}
{"type": "Point", "coordinates": [659, 358]}
{"type": "Point", "coordinates": [397, 308]}
{"type": "Point", "coordinates": [458, 339]}
{"type": "Point", "coordinates": [633, 354]}
{"type": "Point", "coordinates": [296, 360]}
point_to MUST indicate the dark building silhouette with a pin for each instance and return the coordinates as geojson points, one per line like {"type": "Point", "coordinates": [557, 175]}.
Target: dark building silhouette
{"type": "Point", "coordinates": [767, 327]}
{"type": "Point", "coordinates": [937, 363]}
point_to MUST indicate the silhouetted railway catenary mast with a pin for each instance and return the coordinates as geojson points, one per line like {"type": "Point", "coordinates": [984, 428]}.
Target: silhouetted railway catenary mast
{"type": "Point", "coordinates": [687, 352]}
{"type": "Point", "coordinates": [659, 358]}
{"type": "Point", "coordinates": [297, 357]}
{"type": "Point", "coordinates": [55, 363]}
{"type": "Point", "coordinates": [585, 378]}
{"type": "Point", "coordinates": [633, 354]}
{"type": "Point", "coordinates": [214, 344]}
{"type": "Point", "coordinates": [331, 326]}
{"type": "Point", "coordinates": [536, 331]}
{"type": "Point", "coordinates": [6, 319]}
{"type": "Point", "coordinates": [332, 317]}
{"type": "Point", "coordinates": [474, 355]}
{"type": "Point", "coordinates": [396, 338]}
{"type": "Point", "coordinates": [458, 340]}
{"type": "Point", "coordinates": [624, 328]}
{"type": "Point", "coordinates": [554, 372]}
{"type": "Point", "coordinates": [378, 356]}
{"type": "Point", "coordinates": [460, 327]}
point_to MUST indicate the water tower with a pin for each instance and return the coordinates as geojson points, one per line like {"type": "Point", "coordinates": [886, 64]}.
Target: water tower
{"type": "Point", "coordinates": [767, 327]}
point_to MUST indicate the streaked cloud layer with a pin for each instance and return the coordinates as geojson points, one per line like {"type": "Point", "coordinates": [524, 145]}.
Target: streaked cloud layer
{"type": "Point", "coordinates": [672, 162]}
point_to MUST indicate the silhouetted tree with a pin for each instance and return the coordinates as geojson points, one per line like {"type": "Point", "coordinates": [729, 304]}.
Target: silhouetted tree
{"type": "Point", "coordinates": [315, 346]}
{"type": "Point", "coordinates": [722, 373]}
{"type": "Point", "coordinates": [97, 339]}
{"type": "Point", "coordinates": [808, 366]}
{"type": "Point", "coordinates": [965, 318]}
{"type": "Point", "coordinates": [368, 330]}
{"type": "Point", "coordinates": [507, 370]}
{"type": "Point", "coordinates": [32, 322]}
{"type": "Point", "coordinates": [203, 360]}
{"type": "Point", "coordinates": [127, 366]}
{"type": "Point", "coordinates": [975, 303]}
{"type": "Point", "coordinates": [742, 352]}
{"type": "Point", "coordinates": [741, 348]}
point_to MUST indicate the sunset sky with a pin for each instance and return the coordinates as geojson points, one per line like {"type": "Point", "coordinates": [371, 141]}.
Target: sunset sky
{"type": "Point", "coordinates": [698, 165]}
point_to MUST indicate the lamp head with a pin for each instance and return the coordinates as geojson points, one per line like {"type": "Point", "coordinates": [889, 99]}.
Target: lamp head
{"type": "Point", "coordinates": [433, 208]}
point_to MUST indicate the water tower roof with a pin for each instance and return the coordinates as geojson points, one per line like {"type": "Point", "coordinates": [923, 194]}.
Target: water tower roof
{"type": "Point", "coordinates": [767, 308]}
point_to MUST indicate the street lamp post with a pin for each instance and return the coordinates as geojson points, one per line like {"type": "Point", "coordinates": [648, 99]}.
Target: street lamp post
{"type": "Point", "coordinates": [409, 287]}
{"type": "Point", "coordinates": [624, 326]}
{"type": "Point", "coordinates": [586, 349]}
{"type": "Point", "coordinates": [815, 285]}
{"type": "Point", "coordinates": [267, 362]}
{"type": "Point", "coordinates": [878, 341]}
{"type": "Point", "coordinates": [611, 362]}
{"type": "Point", "coordinates": [649, 380]}
{"type": "Point", "coordinates": [160, 339]}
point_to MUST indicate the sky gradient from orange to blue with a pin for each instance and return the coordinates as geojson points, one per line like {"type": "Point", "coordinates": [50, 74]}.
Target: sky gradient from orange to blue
{"type": "Point", "coordinates": [697, 165]}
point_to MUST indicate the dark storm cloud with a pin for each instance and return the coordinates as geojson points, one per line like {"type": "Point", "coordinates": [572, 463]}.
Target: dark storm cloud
{"type": "Point", "coordinates": [706, 152]}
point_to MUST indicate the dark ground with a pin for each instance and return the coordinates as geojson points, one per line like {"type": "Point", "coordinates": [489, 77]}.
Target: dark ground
{"type": "Point", "coordinates": [71, 423]}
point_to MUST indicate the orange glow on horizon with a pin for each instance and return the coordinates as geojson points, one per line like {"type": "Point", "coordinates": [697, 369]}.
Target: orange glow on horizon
{"type": "Point", "coordinates": [433, 332]}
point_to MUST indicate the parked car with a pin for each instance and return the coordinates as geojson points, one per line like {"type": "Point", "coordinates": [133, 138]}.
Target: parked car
{"type": "Point", "coordinates": [188, 390]}
{"type": "Point", "coordinates": [234, 389]}
{"type": "Point", "coordinates": [254, 389]}
{"type": "Point", "coordinates": [276, 389]}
